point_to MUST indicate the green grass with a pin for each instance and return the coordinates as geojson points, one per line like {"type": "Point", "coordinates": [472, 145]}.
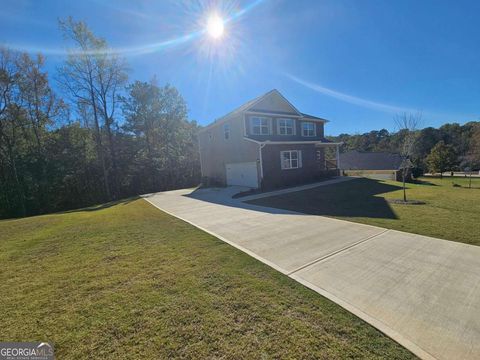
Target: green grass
{"type": "Point", "coordinates": [450, 212]}
{"type": "Point", "coordinates": [129, 281]}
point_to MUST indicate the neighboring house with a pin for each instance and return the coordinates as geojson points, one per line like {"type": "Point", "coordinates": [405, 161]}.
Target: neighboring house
{"type": "Point", "coordinates": [377, 165]}
{"type": "Point", "coordinates": [264, 143]}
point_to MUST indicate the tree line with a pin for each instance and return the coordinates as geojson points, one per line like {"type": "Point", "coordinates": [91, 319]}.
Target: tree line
{"type": "Point", "coordinates": [107, 138]}
{"type": "Point", "coordinates": [104, 139]}
{"type": "Point", "coordinates": [451, 147]}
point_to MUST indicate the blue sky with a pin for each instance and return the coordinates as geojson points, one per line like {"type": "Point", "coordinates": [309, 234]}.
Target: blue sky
{"type": "Point", "coordinates": [357, 63]}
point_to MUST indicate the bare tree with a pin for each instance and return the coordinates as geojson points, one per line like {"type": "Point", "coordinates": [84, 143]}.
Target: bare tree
{"type": "Point", "coordinates": [92, 75]}
{"type": "Point", "coordinates": [111, 78]}
{"type": "Point", "coordinates": [407, 125]}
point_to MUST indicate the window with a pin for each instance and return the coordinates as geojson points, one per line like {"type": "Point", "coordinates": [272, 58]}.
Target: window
{"type": "Point", "coordinates": [285, 126]}
{"type": "Point", "coordinates": [291, 159]}
{"type": "Point", "coordinates": [308, 129]}
{"type": "Point", "coordinates": [260, 125]}
{"type": "Point", "coordinates": [226, 131]}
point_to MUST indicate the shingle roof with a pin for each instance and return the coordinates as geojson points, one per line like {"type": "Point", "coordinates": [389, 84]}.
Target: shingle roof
{"type": "Point", "coordinates": [274, 112]}
{"type": "Point", "coordinates": [250, 103]}
{"type": "Point", "coordinates": [313, 117]}
{"type": "Point", "coordinates": [357, 160]}
{"type": "Point", "coordinates": [239, 109]}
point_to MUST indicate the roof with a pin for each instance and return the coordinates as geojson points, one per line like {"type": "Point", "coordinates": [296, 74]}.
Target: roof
{"type": "Point", "coordinates": [319, 142]}
{"type": "Point", "coordinates": [313, 117]}
{"type": "Point", "coordinates": [358, 160]}
{"type": "Point", "coordinates": [239, 109]}
{"type": "Point", "coordinates": [252, 102]}
{"type": "Point", "coordinates": [256, 111]}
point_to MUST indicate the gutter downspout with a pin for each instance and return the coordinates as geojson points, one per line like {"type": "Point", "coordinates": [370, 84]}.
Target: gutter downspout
{"type": "Point", "coordinates": [260, 147]}
{"type": "Point", "coordinates": [338, 156]}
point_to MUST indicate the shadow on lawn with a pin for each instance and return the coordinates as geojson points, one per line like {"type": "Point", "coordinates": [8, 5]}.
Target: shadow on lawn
{"type": "Point", "coordinates": [354, 198]}
{"type": "Point", "coordinates": [102, 206]}
{"type": "Point", "coordinates": [423, 182]}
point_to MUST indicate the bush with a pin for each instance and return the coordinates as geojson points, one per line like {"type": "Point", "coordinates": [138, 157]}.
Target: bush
{"type": "Point", "coordinates": [417, 172]}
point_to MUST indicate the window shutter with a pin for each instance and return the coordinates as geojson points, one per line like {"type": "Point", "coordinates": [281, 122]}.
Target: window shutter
{"type": "Point", "coordinates": [299, 158]}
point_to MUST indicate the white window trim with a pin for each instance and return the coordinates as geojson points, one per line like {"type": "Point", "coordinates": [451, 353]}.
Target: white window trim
{"type": "Point", "coordinates": [293, 126]}
{"type": "Point", "coordinates": [299, 159]}
{"type": "Point", "coordinates": [269, 121]}
{"type": "Point", "coordinates": [314, 128]}
{"type": "Point", "coordinates": [226, 129]}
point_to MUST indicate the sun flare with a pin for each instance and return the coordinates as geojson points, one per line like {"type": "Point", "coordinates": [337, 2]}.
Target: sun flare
{"type": "Point", "coordinates": [215, 26]}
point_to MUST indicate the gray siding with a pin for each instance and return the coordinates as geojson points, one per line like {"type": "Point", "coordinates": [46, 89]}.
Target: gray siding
{"type": "Point", "coordinates": [274, 102]}
{"type": "Point", "coordinates": [215, 151]}
{"type": "Point", "coordinates": [275, 136]}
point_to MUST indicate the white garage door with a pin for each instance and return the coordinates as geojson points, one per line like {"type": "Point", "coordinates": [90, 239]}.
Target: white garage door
{"type": "Point", "coordinates": [242, 174]}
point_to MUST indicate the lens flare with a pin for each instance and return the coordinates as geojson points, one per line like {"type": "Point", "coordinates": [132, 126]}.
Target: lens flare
{"type": "Point", "coordinates": [215, 26]}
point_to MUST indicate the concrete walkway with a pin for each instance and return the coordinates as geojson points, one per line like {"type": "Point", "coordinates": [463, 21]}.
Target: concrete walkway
{"type": "Point", "coordinates": [422, 292]}
{"type": "Point", "coordinates": [335, 180]}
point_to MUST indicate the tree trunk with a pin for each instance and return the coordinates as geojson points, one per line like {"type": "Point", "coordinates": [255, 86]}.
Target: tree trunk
{"type": "Point", "coordinates": [113, 157]}
{"type": "Point", "coordinates": [43, 197]}
{"type": "Point", "coordinates": [17, 183]}
{"type": "Point", "coordinates": [98, 141]}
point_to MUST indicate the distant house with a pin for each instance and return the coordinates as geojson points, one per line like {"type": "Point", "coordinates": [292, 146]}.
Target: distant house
{"type": "Point", "coordinates": [377, 165]}
{"type": "Point", "coordinates": [265, 143]}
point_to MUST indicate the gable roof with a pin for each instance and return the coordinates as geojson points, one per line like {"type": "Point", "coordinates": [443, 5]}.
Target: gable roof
{"type": "Point", "coordinates": [358, 160]}
{"type": "Point", "coordinates": [238, 110]}
{"type": "Point", "coordinates": [251, 103]}
{"type": "Point", "coordinates": [287, 106]}
{"type": "Point", "coordinates": [307, 116]}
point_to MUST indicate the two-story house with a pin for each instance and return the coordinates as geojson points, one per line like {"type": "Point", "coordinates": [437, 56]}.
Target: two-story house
{"type": "Point", "coordinates": [265, 143]}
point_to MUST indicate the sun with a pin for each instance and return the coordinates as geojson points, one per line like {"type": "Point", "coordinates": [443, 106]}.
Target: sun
{"type": "Point", "coordinates": [215, 26]}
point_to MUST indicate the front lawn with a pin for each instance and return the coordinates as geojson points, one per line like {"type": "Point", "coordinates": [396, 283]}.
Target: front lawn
{"type": "Point", "coordinates": [450, 212]}
{"type": "Point", "coordinates": [131, 282]}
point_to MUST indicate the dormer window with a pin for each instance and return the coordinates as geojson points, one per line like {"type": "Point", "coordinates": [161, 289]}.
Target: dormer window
{"type": "Point", "coordinates": [308, 129]}
{"type": "Point", "coordinates": [260, 125]}
{"type": "Point", "coordinates": [286, 126]}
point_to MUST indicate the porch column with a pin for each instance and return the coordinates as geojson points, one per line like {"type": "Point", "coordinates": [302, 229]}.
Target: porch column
{"type": "Point", "coordinates": [337, 155]}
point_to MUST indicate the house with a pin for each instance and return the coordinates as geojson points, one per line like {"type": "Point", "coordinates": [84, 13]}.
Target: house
{"type": "Point", "coordinates": [376, 165]}
{"type": "Point", "coordinates": [265, 143]}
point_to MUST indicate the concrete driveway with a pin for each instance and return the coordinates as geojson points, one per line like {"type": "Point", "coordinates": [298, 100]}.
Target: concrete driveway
{"type": "Point", "coordinates": [422, 292]}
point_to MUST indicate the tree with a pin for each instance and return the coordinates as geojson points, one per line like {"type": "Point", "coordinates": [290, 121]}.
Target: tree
{"type": "Point", "coordinates": [92, 75]}
{"type": "Point", "coordinates": [42, 108]}
{"type": "Point", "coordinates": [11, 123]}
{"type": "Point", "coordinates": [407, 125]}
{"type": "Point", "coordinates": [166, 153]}
{"type": "Point", "coordinates": [441, 158]}
{"type": "Point", "coordinates": [474, 147]}
{"type": "Point", "coordinates": [142, 109]}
